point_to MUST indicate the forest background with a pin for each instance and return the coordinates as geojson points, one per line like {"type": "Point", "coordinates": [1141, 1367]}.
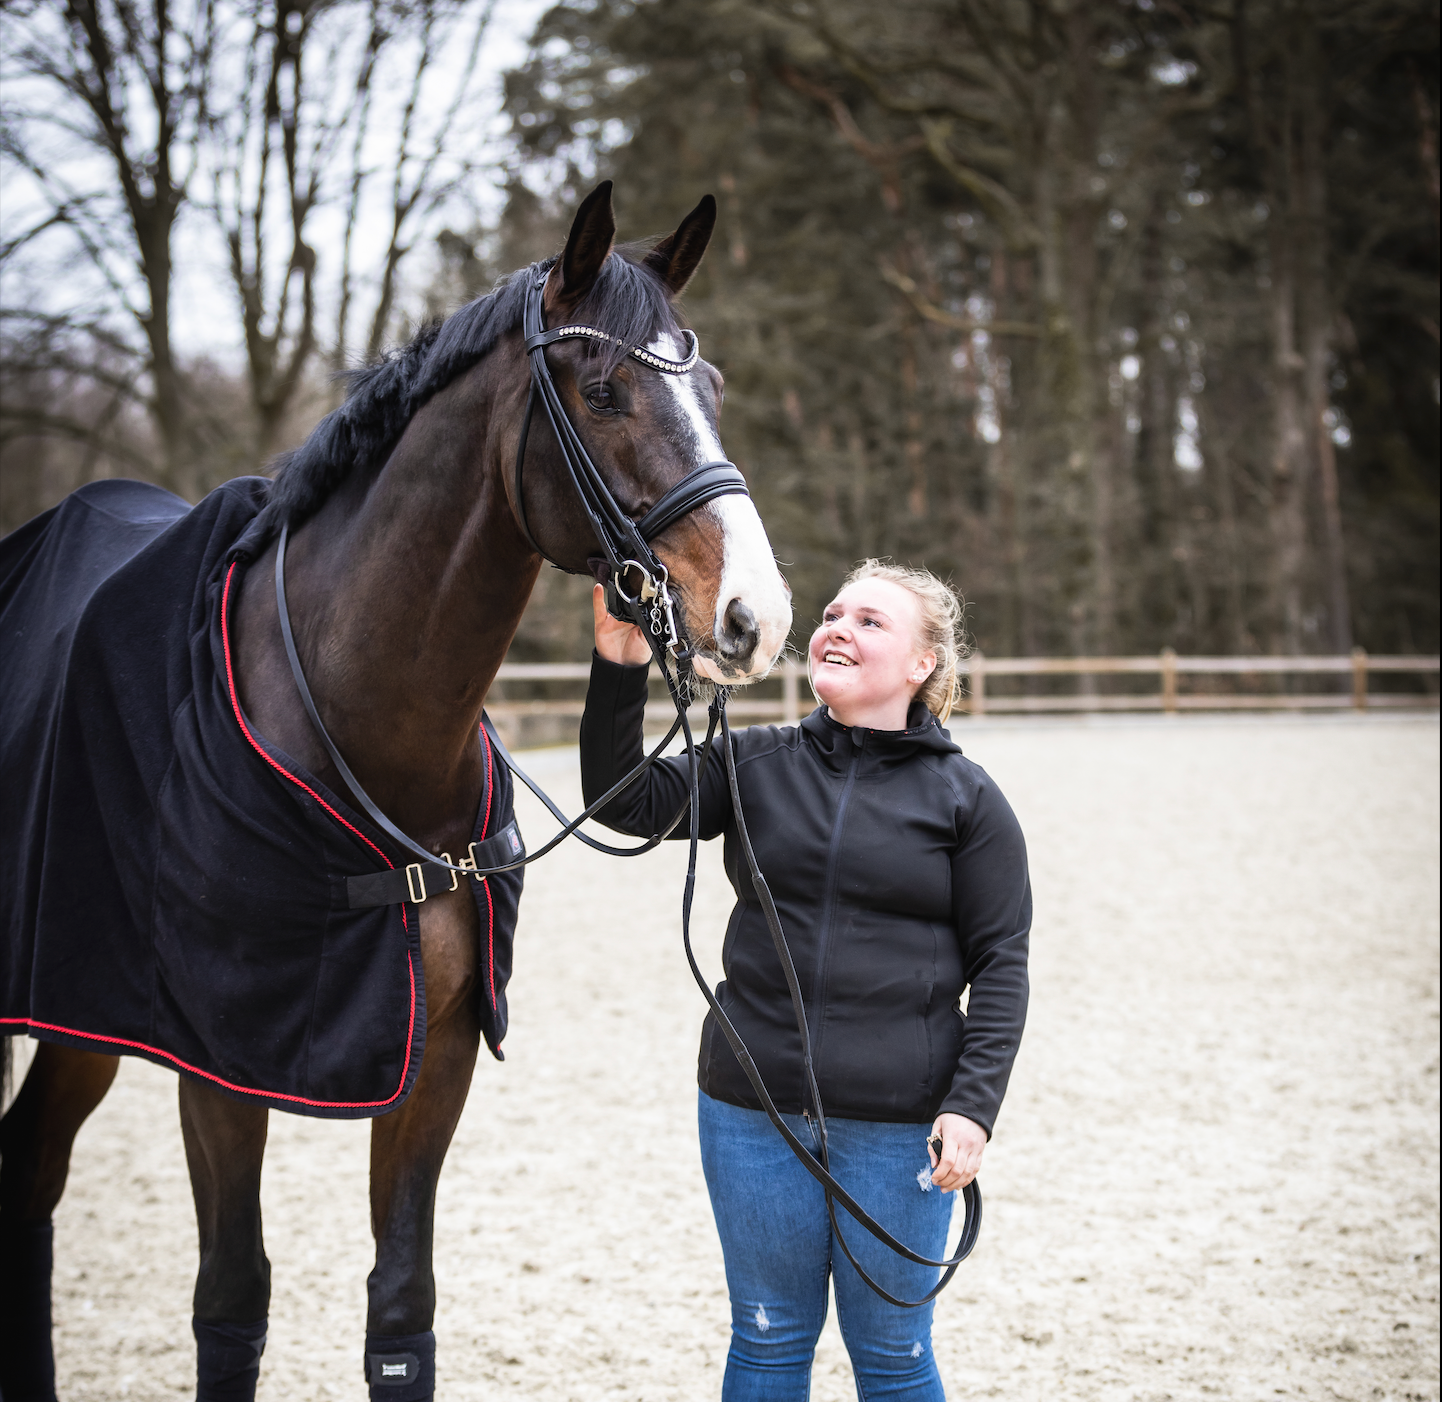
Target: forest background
{"type": "Point", "coordinates": [1122, 315]}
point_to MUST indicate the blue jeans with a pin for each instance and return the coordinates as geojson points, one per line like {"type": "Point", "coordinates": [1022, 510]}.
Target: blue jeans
{"type": "Point", "coordinates": [780, 1250]}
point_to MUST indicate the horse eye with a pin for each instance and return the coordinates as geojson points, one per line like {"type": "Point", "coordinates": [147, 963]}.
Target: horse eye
{"type": "Point", "coordinates": [599, 398]}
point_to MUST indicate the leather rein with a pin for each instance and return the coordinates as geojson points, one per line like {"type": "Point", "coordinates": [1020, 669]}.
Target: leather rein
{"type": "Point", "coordinates": [626, 547]}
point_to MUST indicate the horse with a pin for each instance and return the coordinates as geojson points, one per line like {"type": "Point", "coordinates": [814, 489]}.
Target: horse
{"type": "Point", "coordinates": [414, 544]}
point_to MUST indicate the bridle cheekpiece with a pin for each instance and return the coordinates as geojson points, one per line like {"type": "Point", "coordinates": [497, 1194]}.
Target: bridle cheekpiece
{"type": "Point", "coordinates": [624, 542]}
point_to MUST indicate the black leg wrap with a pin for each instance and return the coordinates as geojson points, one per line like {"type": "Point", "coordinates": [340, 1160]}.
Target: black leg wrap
{"type": "Point", "coordinates": [401, 1367]}
{"type": "Point", "coordinates": [27, 1365]}
{"type": "Point", "coordinates": [227, 1360]}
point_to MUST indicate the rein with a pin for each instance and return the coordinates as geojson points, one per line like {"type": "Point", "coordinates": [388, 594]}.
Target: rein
{"type": "Point", "coordinates": [626, 546]}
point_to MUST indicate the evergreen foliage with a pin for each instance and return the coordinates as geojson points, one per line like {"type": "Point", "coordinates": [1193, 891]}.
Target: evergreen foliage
{"type": "Point", "coordinates": [1121, 315]}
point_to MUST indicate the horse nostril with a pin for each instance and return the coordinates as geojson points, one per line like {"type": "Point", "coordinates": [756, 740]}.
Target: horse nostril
{"type": "Point", "coordinates": [739, 633]}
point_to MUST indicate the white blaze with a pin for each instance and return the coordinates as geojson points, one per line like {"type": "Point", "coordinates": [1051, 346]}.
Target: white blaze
{"type": "Point", "coordinates": [748, 566]}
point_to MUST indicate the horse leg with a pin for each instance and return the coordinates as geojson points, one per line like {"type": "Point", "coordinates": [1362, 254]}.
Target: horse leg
{"type": "Point", "coordinates": [61, 1089]}
{"type": "Point", "coordinates": [225, 1147]}
{"type": "Point", "coordinates": [408, 1148]}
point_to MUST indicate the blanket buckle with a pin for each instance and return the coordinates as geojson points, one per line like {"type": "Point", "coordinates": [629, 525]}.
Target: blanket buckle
{"type": "Point", "coordinates": [469, 862]}
{"type": "Point", "coordinates": [455, 880]}
{"type": "Point", "coordinates": [416, 878]}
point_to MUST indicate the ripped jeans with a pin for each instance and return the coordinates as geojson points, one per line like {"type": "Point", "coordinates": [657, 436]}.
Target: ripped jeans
{"type": "Point", "coordinates": [779, 1249]}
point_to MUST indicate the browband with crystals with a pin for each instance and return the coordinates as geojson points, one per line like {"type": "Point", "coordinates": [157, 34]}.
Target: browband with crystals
{"type": "Point", "coordinates": [656, 362]}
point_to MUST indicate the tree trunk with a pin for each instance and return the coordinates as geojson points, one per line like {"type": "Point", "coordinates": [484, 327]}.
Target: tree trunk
{"type": "Point", "coordinates": [153, 224]}
{"type": "Point", "coordinates": [1317, 320]}
{"type": "Point", "coordinates": [1273, 134]}
{"type": "Point", "coordinates": [1156, 472]}
{"type": "Point", "coordinates": [1086, 407]}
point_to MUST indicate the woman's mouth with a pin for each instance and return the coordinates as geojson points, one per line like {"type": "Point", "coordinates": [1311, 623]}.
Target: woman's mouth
{"type": "Point", "coordinates": [837, 660]}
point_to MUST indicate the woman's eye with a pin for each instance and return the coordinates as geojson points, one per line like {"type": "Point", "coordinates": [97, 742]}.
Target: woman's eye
{"type": "Point", "coordinates": [599, 398]}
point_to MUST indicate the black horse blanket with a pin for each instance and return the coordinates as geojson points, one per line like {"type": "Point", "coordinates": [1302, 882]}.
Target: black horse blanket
{"type": "Point", "coordinates": [174, 885]}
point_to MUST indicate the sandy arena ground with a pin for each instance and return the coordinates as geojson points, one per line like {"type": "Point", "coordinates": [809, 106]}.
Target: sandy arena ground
{"type": "Point", "coordinates": [1216, 1175]}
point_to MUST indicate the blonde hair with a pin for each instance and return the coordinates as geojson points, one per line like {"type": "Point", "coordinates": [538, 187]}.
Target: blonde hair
{"type": "Point", "coordinates": [940, 629]}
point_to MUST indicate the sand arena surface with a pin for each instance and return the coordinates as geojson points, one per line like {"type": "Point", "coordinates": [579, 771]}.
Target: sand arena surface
{"type": "Point", "coordinates": [1215, 1176]}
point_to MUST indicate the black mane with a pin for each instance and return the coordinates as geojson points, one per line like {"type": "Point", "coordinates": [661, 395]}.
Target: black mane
{"type": "Point", "coordinates": [628, 302]}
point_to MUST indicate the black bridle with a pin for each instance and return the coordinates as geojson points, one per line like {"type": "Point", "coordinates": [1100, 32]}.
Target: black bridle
{"type": "Point", "coordinates": [626, 545]}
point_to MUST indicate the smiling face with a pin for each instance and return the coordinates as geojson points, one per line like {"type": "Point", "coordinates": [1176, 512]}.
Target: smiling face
{"type": "Point", "coordinates": [866, 663]}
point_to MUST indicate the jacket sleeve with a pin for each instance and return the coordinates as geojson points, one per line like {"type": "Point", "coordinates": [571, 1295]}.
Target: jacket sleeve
{"type": "Point", "coordinates": [612, 745]}
{"type": "Point", "coordinates": [991, 901]}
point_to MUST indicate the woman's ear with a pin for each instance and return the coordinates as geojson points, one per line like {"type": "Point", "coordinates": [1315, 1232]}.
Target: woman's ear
{"type": "Point", "coordinates": [925, 666]}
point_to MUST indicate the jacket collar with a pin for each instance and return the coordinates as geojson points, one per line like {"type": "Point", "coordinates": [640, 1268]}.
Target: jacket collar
{"type": "Point", "coordinates": [835, 743]}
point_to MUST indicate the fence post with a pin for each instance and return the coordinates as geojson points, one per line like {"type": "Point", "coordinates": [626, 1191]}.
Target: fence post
{"type": "Point", "coordinates": [790, 693]}
{"type": "Point", "coordinates": [976, 684]}
{"type": "Point", "coordinates": [1359, 679]}
{"type": "Point", "coordinates": [1169, 680]}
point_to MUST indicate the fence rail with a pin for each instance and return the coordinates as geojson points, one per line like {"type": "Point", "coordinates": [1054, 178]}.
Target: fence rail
{"type": "Point", "coordinates": [1170, 697]}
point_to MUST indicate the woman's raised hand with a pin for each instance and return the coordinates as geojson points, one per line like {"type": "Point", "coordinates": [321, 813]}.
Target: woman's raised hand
{"type": "Point", "coordinates": [616, 641]}
{"type": "Point", "coordinates": [962, 1141]}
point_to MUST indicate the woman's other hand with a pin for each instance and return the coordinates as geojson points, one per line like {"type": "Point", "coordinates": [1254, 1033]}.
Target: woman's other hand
{"type": "Point", "coordinates": [962, 1141]}
{"type": "Point", "coordinates": [619, 642]}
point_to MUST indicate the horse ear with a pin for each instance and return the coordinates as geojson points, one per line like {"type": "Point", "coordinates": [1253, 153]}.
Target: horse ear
{"type": "Point", "coordinates": [678, 255]}
{"type": "Point", "coordinates": [588, 245]}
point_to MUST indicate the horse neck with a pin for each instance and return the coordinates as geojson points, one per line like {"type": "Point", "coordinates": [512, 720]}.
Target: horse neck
{"type": "Point", "coordinates": [407, 594]}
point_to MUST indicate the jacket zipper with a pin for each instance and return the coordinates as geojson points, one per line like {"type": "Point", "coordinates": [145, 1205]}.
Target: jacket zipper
{"type": "Point", "coordinates": [833, 876]}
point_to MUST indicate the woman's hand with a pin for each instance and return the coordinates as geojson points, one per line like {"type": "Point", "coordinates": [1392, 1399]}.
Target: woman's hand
{"type": "Point", "coordinates": [616, 641]}
{"type": "Point", "coordinates": [962, 1141]}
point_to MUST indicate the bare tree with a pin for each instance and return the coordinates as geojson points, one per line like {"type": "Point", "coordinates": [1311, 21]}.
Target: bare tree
{"type": "Point", "coordinates": [296, 126]}
{"type": "Point", "coordinates": [300, 145]}
{"type": "Point", "coordinates": [105, 103]}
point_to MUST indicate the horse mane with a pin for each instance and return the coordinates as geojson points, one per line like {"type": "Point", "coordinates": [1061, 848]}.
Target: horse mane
{"type": "Point", "coordinates": [628, 302]}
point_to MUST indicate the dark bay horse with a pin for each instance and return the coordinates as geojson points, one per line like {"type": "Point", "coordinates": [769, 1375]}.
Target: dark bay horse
{"type": "Point", "coordinates": [407, 573]}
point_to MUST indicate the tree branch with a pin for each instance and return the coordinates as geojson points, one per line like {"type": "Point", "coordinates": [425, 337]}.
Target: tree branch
{"type": "Point", "coordinates": [994, 197]}
{"type": "Point", "coordinates": [31, 423]}
{"type": "Point", "coordinates": [931, 312]}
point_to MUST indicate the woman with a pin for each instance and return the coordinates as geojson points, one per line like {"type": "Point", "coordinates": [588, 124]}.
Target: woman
{"type": "Point", "coordinates": [900, 876]}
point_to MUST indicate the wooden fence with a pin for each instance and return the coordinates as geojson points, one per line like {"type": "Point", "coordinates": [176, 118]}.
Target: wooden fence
{"type": "Point", "coordinates": [1226, 684]}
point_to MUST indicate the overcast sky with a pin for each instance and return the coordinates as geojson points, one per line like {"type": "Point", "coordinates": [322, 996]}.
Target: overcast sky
{"type": "Point", "coordinates": [205, 320]}
{"type": "Point", "coordinates": [54, 275]}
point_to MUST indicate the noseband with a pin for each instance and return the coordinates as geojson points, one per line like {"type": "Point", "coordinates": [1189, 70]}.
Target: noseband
{"type": "Point", "coordinates": [624, 541]}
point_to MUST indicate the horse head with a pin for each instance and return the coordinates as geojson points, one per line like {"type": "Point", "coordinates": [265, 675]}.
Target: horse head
{"type": "Point", "coordinates": [646, 429]}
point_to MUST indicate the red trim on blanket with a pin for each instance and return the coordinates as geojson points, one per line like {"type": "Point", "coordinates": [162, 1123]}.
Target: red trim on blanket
{"type": "Point", "coordinates": [486, 821]}
{"type": "Point", "coordinates": [405, 924]}
{"type": "Point", "coordinates": [490, 906]}
{"type": "Point", "coordinates": [245, 729]}
{"type": "Point", "coordinates": [219, 1080]}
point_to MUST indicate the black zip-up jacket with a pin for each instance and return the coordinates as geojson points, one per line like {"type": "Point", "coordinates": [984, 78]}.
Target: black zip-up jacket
{"type": "Point", "coordinates": [900, 875]}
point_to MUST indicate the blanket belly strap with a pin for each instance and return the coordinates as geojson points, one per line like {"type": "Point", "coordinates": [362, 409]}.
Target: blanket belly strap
{"type": "Point", "coordinates": [422, 880]}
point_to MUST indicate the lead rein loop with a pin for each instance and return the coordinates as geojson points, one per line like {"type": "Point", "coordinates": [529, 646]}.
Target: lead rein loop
{"type": "Point", "coordinates": [705, 483]}
{"type": "Point", "coordinates": [971, 1194]}
{"type": "Point", "coordinates": [664, 649]}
